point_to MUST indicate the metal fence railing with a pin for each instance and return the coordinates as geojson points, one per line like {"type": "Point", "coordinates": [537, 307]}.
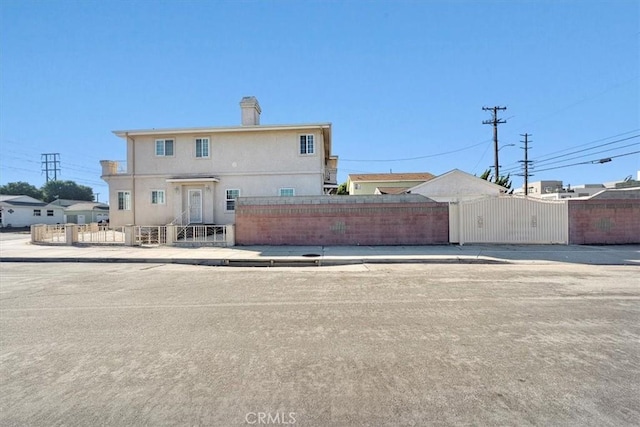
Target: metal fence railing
{"type": "Point", "coordinates": [212, 234]}
{"type": "Point", "coordinates": [133, 235]}
{"type": "Point", "coordinates": [151, 234]}
{"type": "Point", "coordinates": [95, 233]}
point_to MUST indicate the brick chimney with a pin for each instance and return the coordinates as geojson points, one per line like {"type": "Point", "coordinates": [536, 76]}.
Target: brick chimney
{"type": "Point", "coordinates": [250, 111]}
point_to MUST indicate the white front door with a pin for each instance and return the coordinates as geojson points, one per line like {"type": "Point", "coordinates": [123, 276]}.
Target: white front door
{"type": "Point", "coordinates": [80, 219]}
{"type": "Point", "coordinates": [195, 206]}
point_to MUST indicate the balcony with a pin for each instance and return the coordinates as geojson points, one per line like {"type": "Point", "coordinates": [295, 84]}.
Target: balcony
{"type": "Point", "coordinates": [113, 167]}
{"type": "Point", "coordinates": [331, 176]}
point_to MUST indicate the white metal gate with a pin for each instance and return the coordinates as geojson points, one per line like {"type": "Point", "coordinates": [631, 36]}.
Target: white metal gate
{"type": "Point", "coordinates": [510, 219]}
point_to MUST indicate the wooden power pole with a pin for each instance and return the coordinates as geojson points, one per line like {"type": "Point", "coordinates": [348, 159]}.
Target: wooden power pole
{"type": "Point", "coordinates": [495, 121]}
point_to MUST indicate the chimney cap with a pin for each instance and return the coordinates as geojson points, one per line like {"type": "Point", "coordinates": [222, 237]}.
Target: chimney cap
{"type": "Point", "coordinates": [250, 101]}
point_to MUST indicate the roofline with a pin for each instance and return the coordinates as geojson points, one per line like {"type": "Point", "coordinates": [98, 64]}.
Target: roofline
{"type": "Point", "coordinates": [463, 172]}
{"type": "Point", "coordinates": [389, 180]}
{"type": "Point", "coordinates": [222, 129]}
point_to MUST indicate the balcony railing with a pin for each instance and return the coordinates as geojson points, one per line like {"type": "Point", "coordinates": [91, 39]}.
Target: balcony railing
{"type": "Point", "coordinates": [331, 176]}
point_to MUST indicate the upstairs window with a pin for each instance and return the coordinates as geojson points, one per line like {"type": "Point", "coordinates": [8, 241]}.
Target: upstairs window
{"type": "Point", "coordinates": [287, 192]}
{"type": "Point", "coordinates": [164, 147]}
{"type": "Point", "coordinates": [124, 200]}
{"type": "Point", "coordinates": [157, 197]}
{"type": "Point", "coordinates": [232, 195]}
{"type": "Point", "coordinates": [202, 148]}
{"type": "Point", "coordinates": [306, 144]}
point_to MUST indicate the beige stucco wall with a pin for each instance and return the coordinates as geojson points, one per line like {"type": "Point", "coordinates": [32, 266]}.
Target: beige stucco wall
{"type": "Point", "coordinates": [367, 188]}
{"type": "Point", "coordinates": [258, 163]}
{"type": "Point", "coordinates": [231, 152]}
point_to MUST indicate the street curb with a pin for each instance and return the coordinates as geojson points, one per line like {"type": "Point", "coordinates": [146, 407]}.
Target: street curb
{"type": "Point", "coordinates": [267, 262]}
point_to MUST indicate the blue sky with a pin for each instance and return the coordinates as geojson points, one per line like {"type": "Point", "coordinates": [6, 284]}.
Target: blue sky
{"type": "Point", "coordinates": [397, 79]}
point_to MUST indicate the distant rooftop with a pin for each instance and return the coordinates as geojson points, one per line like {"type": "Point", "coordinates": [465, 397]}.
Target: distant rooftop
{"type": "Point", "coordinates": [421, 176]}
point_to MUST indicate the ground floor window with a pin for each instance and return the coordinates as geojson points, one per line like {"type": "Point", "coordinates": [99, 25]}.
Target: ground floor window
{"type": "Point", "coordinates": [232, 195]}
{"type": "Point", "coordinates": [124, 200]}
{"type": "Point", "coordinates": [37, 212]}
{"type": "Point", "coordinates": [49, 212]}
{"type": "Point", "coordinates": [157, 197]}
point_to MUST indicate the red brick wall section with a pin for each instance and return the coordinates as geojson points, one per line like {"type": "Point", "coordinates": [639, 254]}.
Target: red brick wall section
{"type": "Point", "coordinates": [343, 224]}
{"type": "Point", "coordinates": [593, 222]}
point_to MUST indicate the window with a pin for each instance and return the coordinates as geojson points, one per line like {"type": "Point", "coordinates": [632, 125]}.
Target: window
{"type": "Point", "coordinates": [164, 147]}
{"type": "Point", "coordinates": [232, 195]}
{"type": "Point", "coordinates": [49, 212]}
{"type": "Point", "coordinates": [37, 212]}
{"type": "Point", "coordinates": [202, 148]}
{"type": "Point", "coordinates": [306, 144]}
{"type": "Point", "coordinates": [157, 197]}
{"type": "Point", "coordinates": [287, 192]}
{"type": "Point", "coordinates": [124, 200]}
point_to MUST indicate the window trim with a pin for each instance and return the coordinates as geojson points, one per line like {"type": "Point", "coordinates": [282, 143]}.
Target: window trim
{"type": "Point", "coordinates": [313, 144]}
{"type": "Point", "coordinates": [195, 146]}
{"type": "Point", "coordinates": [126, 197]}
{"type": "Point", "coordinates": [227, 199]}
{"type": "Point", "coordinates": [164, 197]}
{"type": "Point", "coordinates": [293, 192]}
{"type": "Point", "coordinates": [164, 147]}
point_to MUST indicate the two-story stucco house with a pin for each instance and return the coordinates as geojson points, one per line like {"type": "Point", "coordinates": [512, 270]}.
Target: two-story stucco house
{"type": "Point", "coordinates": [194, 175]}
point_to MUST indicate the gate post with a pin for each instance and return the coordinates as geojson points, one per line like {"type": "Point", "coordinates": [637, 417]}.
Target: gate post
{"type": "Point", "coordinates": [70, 234]}
{"type": "Point", "coordinates": [171, 235]}
{"type": "Point", "coordinates": [230, 235]}
{"type": "Point", "coordinates": [129, 235]}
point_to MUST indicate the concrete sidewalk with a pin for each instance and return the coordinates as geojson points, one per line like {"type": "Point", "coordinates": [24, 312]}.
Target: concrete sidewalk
{"type": "Point", "coordinates": [17, 248]}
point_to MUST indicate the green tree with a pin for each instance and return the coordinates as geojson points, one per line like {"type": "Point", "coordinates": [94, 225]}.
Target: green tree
{"type": "Point", "coordinates": [342, 189]}
{"type": "Point", "coordinates": [21, 188]}
{"type": "Point", "coordinates": [504, 181]}
{"type": "Point", "coordinates": [53, 190]}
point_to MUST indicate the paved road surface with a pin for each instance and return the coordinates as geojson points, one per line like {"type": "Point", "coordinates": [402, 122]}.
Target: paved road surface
{"type": "Point", "coordinates": [112, 344]}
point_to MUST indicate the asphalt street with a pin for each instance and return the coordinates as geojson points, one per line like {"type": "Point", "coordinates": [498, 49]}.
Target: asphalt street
{"type": "Point", "coordinates": [437, 344]}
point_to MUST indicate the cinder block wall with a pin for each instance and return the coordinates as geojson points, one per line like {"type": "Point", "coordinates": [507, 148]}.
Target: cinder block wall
{"type": "Point", "coordinates": [342, 220]}
{"type": "Point", "coordinates": [604, 221]}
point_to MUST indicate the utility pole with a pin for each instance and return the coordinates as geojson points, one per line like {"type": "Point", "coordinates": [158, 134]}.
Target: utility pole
{"type": "Point", "coordinates": [495, 121]}
{"type": "Point", "coordinates": [97, 197]}
{"type": "Point", "coordinates": [526, 162]}
{"type": "Point", "coordinates": [50, 165]}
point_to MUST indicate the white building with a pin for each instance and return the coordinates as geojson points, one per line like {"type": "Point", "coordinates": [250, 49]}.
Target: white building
{"type": "Point", "coordinates": [24, 211]}
{"type": "Point", "coordinates": [457, 186]}
{"type": "Point", "coordinates": [194, 175]}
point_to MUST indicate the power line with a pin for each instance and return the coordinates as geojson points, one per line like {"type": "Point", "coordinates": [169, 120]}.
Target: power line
{"type": "Point", "coordinates": [415, 158]}
{"type": "Point", "coordinates": [545, 157]}
{"type": "Point", "coordinates": [605, 160]}
{"type": "Point", "coordinates": [548, 161]}
{"type": "Point", "coordinates": [587, 149]}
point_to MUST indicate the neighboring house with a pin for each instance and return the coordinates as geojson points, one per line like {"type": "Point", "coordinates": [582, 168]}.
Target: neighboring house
{"type": "Point", "coordinates": [384, 183]}
{"type": "Point", "coordinates": [82, 211]}
{"type": "Point", "coordinates": [195, 175]}
{"type": "Point", "coordinates": [457, 186]}
{"type": "Point", "coordinates": [24, 211]}
{"type": "Point", "coordinates": [87, 212]}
